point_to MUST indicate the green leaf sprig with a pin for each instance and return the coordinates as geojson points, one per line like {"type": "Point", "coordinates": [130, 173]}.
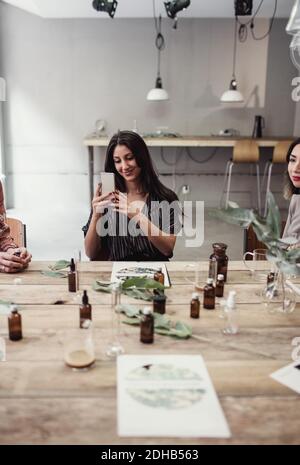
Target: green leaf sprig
{"type": "Point", "coordinates": [136, 287]}
{"type": "Point", "coordinates": [55, 271]}
{"type": "Point", "coordinates": [162, 325]}
{"type": "Point", "coordinates": [267, 230]}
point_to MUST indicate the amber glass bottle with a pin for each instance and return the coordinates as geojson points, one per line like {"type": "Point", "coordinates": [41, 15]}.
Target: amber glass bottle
{"type": "Point", "coordinates": [159, 303]}
{"type": "Point", "coordinates": [15, 325]}
{"type": "Point", "coordinates": [147, 326]}
{"type": "Point", "coordinates": [195, 305]}
{"type": "Point", "coordinates": [159, 276]}
{"type": "Point", "coordinates": [222, 260]}
{"type": "Point", "coordinates": [220, 286]}
{"type": "Point", "coordinates": [72, 277]}
{"type": "Point", "coordinates": [209, 295]}
{"type": "Point", "coordinates": [85, 309]}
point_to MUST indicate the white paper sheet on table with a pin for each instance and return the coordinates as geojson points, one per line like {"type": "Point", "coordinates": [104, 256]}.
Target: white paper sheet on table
{"type": "Point", "coordinates": [289, 376]}
{"type": "Point", "coordinates": [121, 270]}
{"type": "Point", "coordinates": [167, 395]}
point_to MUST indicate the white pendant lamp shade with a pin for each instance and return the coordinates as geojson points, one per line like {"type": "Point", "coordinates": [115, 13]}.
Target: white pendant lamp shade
{"type": "Point", "coordinates": [232, 95]}
{"type": "Point", "coordinates": [2, 90]}
{"type": "Point", "coordinates": [158, 93]}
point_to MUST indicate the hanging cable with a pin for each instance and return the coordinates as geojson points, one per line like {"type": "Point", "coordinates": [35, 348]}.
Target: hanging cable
{"type": "Point", "coordinates": [270, 27]}
{"type": "Point", "coordinates": [201, 161]}
{"type": "Point", "coordinates": [178, 156]}
{"type": "Point", "coordinates": [243, 29]}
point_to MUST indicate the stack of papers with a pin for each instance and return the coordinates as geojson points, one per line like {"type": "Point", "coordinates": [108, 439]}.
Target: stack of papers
{"type": "Point", "coordinates": [124, 270]}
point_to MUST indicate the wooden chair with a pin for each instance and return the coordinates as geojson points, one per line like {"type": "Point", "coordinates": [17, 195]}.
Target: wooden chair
{"type": "Point", "coordinates": [279, 157]}
{"type": "Point", "coordinates": [17, 231]}
{"type": "Point", "coordinates": [244, 151]}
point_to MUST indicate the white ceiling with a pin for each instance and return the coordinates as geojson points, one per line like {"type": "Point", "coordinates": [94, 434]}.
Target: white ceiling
{"type": "Point", "coordinates": [143, 8]}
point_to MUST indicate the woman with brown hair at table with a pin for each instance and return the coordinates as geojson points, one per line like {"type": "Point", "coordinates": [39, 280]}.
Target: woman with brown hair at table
{"type": "Point", "coordinates": [292, 191]}
{"type": "Point", "coordinates": [12, 257]}
{"type": "Point", "coordinates": [142, 216]}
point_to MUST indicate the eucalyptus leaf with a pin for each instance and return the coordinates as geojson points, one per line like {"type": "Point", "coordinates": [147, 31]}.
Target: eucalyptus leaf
{"type": "Point", "coordinates": [129, 310]}
{"type": "Point", "coordinates": [233, 204]}
{"type": "Point", "coordinates": [55, 274]}
{"type": "Point", "coordinates": [161, 321]}
{"type": "Point", "coordinates": [289, 240]}
{"type": "Point", "coordinates": [60, 265]}
{"type": "Point", "coordinates": [142, 283]}
{"type": "Point", "coordinates": [273, 216]}
{"type": "Point", "coordinates": [132, 321]}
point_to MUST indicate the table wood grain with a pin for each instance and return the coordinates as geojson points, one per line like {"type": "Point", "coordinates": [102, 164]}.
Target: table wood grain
{"type": "Point", "coordinates": [44, 402]}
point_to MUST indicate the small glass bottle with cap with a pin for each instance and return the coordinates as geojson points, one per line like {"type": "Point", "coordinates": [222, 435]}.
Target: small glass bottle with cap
{"type": "Point", "coordinates": [209, 295]}
{"type": "Point", "coordinates": [85, 309]}
{"type": "Point", "coordinates": [195, 305]}
{"type": "Point", "coordinates": [159, 303]}
{"type": "Point", "coordinates": [159, 276]}
{"type": "Point", "coordinates": [147, 326]}
{"type": "Point", "coordinates": [72, 277]}
{"type": "Point", "coordinates": [220, 286]}
{"type": "Point", "coordinates": [15, 324]}
{"type": "Point", "coordinates": [230, 314]}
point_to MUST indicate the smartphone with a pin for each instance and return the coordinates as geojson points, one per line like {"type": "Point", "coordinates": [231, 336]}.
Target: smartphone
{"type": "Point", "coordinates": [107, 182]}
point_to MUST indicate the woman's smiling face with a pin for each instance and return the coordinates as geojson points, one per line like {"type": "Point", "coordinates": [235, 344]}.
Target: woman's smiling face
{"type": "Point", "coordinates": [294, 166]}
{"type": "Point", "coordinates": [126, 164]}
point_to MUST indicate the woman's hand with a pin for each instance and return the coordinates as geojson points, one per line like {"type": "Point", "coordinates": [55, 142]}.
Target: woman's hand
{"type": "Point", "coordinates": [100, 202]}
{"type": "Point", "coordinates": [14, 260]}
{"type": "Point", "coordinates": [132, 209]}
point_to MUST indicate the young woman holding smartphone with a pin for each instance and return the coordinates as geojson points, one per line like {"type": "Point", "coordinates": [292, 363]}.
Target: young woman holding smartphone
{"type": "Point", "coordinates": [139, 220]}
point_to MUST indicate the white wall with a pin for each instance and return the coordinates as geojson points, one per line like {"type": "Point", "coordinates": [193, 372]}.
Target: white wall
{"type": "Point", "coordinates": [63, 75]}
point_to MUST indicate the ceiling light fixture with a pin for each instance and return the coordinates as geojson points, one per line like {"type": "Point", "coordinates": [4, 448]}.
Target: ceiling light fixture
{"type": "Point", "coordinates": [233, 95]}
{"type": "Point", "coordinates": [109, 6]}
{"type": "Point", "coordinates": [173, 7]}
{"type": "Point", "coordinates": [158, 93]}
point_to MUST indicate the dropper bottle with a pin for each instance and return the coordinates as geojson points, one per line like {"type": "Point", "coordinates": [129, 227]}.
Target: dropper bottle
{"type": "Point", "coordinates": [230, 314]}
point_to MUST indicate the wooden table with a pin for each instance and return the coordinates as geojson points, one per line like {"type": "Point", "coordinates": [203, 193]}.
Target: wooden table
{"type": "Point", "coordinates": [91, 141]}
{"type": "Point", "coordinates": [44, 402]}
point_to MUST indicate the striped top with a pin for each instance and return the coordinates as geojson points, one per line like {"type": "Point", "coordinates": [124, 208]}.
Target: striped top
{"type": "Point", "coordinates": [122, 238]}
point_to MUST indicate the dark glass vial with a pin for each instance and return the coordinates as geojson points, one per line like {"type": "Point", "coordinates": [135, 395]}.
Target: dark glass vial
{"type": "Point", "coordinates": [195, 305]}
{"type": "Point", "coordinates": [209, 295]}
{"type": "Point", "coordinates": [72, 277]}
{"type": "Point", "coordinates": [220, 286]}
{"type": "Point", "coordinates": [271, 277]}
{"type": "Point", "coordinates": [85, 310]}
{"type": "Point", "coordinates": [147, 326]}
{"type": "Point", "coordinates": [222, 260]}
{"type": "Point", "coordinates": [159, 303]}
{"type": "Point", "coordinates": [159, 276]}
{"type": "Point", "coordinates": [15, 325]}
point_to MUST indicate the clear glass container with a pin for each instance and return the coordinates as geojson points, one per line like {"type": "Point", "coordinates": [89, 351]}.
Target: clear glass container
{"type": "Point", "coordinates": [79, 350]}
{"type": "Point", "coordinates": [115, 347]}
{"type": "Point", "coordinates": [278, 296]}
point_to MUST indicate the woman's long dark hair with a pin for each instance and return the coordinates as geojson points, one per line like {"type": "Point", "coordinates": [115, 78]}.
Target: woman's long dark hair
{"type": "Point", "coordinates": [289, 188]}
{"type": "Point", "coordinates": [149, 179]}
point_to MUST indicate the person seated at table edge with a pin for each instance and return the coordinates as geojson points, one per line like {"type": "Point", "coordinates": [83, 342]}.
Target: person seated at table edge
{"type": "Point", "coordinates": [292, 191]}
{"type": "Point", "coordinates": [134, 203]}
{"type": "Point", "coordinates": [9, 262]}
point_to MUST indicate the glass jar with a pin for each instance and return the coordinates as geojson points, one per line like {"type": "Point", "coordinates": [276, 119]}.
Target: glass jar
{"type": "Point", "coordinates": [278, 296]}
{"type": "Point", "coordinates": [222, 260]}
